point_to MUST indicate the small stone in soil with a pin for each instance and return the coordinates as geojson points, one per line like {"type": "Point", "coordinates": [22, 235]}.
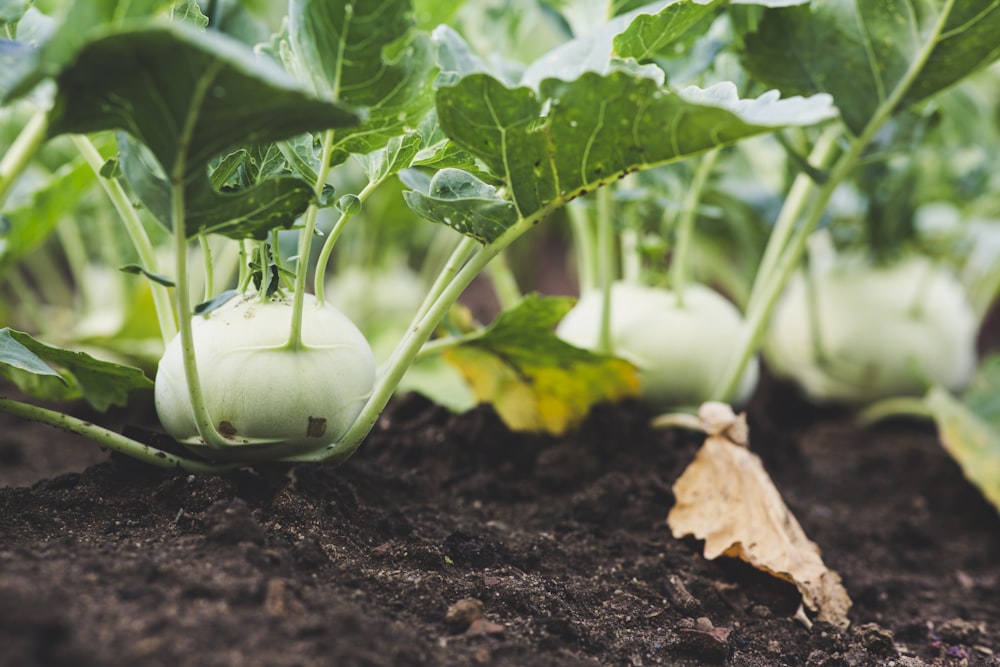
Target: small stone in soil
{"type": "Point", "coordinates": [876, 639]}
{"type": "Point", "coordinates": [959, 631]}
{"type": "Point", "coordinates": [701, 639]}
{"type": "Point", "coordinates": [463, 614]}
{"type": "Point", "coordinates": [482, 626]}
{"type": "Point", "coordinates": [231, 522]}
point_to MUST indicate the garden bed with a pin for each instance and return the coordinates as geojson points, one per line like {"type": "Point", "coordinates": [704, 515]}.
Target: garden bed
{"type": "Point", "coordinates": [562, 542]}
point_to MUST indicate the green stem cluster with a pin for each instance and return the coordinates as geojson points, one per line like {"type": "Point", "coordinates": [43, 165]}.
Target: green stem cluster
{"type": "Point", "coordinates": [788, 241]}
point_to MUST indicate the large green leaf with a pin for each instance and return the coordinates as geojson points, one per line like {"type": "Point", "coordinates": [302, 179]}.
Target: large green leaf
{"type": "Point", "coordinates": [29, 364]}
{"type": "Point", "coordinates": [81, 21]}
{"type": "Point", "coordinates": [186, 95]}
{"type": "Point", "coordinates": [573, 136]}
{"type": "Point", "coordinates": [970, 428]}
{"type": "Point", "coordinates": [864, 53]}
{"type": "Point", "coordinates": [189, 96]}
{"type": "Point", "coordinates": [365, 54]}
{"type": "Point", "coordinates": [535, 380]}
{"type": "Point", "coordinates": [253, 200]}
{"type": "Point", "coordinates": [659, 34]}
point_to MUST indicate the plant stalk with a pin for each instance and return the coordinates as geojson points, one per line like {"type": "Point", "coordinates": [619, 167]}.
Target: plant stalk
{"type": "Point", "coordinates": [606, 264]}
{"type": "Point", "coordinates": [109, 439]}
{"type": "Point", "coordinates": [319, 280]}
{"type": "Point", "coordinates": [679, 263]}
{"type": "Point", "coordinates": [136, 232]}
{"type": "Point", "coordinates": [583, 241]}
{"type": "Point", "coordinates": [20, 153]}
{"type": "Point", "coordinates": [305, 244]}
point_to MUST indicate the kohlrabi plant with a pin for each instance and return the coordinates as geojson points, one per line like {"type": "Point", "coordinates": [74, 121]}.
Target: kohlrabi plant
{"type": "Point", "coordinates": [211, 145]}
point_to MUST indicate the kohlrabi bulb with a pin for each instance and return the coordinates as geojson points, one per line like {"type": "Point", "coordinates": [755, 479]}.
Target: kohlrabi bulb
{"type": "Point", "coordinates": [267, 399]}
{"type": "Point", "coordinates": [681, 352]}
{"type": "Point", "coordinates": [873, 332]}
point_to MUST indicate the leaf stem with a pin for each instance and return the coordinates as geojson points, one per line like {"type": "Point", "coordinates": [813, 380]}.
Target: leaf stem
{"type": "Point", "coordinates": [466, 263]}
{"type": "Point", "coordinates": [791, 210]}
{"type": "Point", "coordinates": [606, 264]}
{"type": "Point", "coordinates": [319, 281]}
{"type": "Point", "coordinates": [583, 241]}
{"type": "Point", "coordinates": [788, 257]}
{"type": "Point", "coordinates": [305, 244]}
{"type": "Point", "coordinates": [206, 256]}
{"type": "Point", "coordinates": [109, 439]}
{"type": "Point", "coordinates": [898, 406]}
{"type": "Point", "coordinates": [136, 232]}
{"type": "Point", "coordinates": [17, 157]}
{"type": "Point", "coordinates": [679, 263]}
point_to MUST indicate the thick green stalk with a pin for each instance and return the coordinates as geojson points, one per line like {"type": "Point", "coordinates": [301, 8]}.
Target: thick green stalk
{"type": "Point", "coordinates": [679, 264]}
{"type": "Point", "coordinates": [17, 157]}
{"type": "Point", "coordinates": [791, 210]}
{"type": "Point", "coordinates": [606, 264]}
{"type": "Point", "coordinates": [109, 439]}
{"type": "Point", "coordinates": [136, 232]}
{"type": "Point", "coordinates": [459, 255]}
{"type": "Point", "coordinates": [203, 420]}
{"type": "Point", "coordinates": [789, 257]}
{"type": "Point", "coordinates": [583, 241]}
{"type": "Point", "coordinates": [305, 244]}
{"type": "Point", "coordinates": [182, 297]}
{"type": "Point", "coordinates": [448, 288]}
{"type": "Point", "coordinates": [206, 258]}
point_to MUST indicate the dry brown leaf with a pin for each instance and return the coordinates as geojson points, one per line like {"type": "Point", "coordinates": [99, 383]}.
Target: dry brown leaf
{"type": "Point", "coordinates": [726, 498]}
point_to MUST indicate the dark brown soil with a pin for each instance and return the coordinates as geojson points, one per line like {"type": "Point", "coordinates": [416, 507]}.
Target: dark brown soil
{"type": "Point", "coordinates": [449, 541]}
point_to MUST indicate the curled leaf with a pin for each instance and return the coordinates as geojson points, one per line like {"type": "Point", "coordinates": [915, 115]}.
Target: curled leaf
{"type": "Point", "coordinates": [726, 498]}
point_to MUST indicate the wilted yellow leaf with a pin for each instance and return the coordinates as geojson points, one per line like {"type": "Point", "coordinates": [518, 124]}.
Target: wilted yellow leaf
{"type": "Point", "coordinates": [726, 498]}
{"type": "Point", "coordinates": [534, 380]}
{"type": "Point", "coordinates": [971, 440]}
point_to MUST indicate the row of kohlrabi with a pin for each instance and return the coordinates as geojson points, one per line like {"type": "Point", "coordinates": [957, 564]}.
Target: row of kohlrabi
{"type": "Point", "coordinates": [209, 139]}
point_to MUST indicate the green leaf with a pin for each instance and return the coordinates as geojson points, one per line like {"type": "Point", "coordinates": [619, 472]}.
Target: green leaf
{"type": "Point", "coordinates": [186, 95]}
{"type": "Point", "coordinates": [28, 363]}
{"type": "Point", "coordinates": [189, 12]}
{"type": "Point", "coordinates": [246, 209]}
{"type": "Point", "coordinates": [535, 380]}
{"type": "Point", "coordinates": [600, 127]}
{"type": "Point", "coordinates": [431, 13]}
{"type": "Point", "coordinates": [395, 156]}
{"type": "Point", "coordinates": [461, 201]}
{"type": "Point", "coordinates": [15, 355]}
{"type": "Point", "coordinates": [81, 21]}
{"type": "Point", "coordinates": [970, 428]}
{"type": "Point", "coordinates": [593, 51]}
{"type": "Point", "coordinates": [250, 213]}
{"type": "Point", "coordinates": [912, 47]}
{"type": "Point", "coordinates": [135, 269]}
{"type": "Point", "coordinates": [365, 54]}
{"type": "Point", "coordinates": [661, 34]}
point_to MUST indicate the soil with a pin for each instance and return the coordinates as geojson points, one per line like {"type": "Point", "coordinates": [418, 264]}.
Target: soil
{"type": "Point", "coordinates": [448, 540]}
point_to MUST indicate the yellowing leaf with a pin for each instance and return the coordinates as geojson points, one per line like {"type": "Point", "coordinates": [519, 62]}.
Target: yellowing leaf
{"type": "Point", "coordinates": [534, 380]}
{"type": "Point", "coordinates": [970, 429]}
{"type": "Point", "coordinates": [726, 498]}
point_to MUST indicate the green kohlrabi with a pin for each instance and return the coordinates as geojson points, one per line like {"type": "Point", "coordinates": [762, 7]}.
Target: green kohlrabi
{"type": "Point", "coordinates": [212, 146]}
